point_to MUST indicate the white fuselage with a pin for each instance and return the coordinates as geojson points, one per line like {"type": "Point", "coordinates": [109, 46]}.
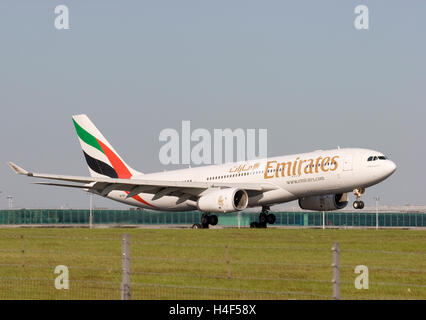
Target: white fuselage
{"type": "Point", "coordinates": [295, 176]}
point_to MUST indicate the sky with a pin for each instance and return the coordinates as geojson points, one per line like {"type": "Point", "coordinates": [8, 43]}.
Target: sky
{"type": "Point", "coordinates": [299, 69]}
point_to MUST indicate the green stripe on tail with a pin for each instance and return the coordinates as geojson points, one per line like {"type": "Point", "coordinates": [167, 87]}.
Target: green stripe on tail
{"type": "Point", "coordinates": [87, 137]}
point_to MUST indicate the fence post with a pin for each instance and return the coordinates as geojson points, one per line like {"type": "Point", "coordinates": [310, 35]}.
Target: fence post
{"type": "Point", "coordinates": [336, 270]}
{"type": "Point", "coordinates": [228, 262]}
{"type": "Point", "coordinates": [23, 250]}
{"type": "Point", "coordinates": [125, 261]}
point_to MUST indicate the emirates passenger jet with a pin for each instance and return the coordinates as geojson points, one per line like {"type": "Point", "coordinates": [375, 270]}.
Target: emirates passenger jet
{"type": "Point", "coordinates": [320, 180]}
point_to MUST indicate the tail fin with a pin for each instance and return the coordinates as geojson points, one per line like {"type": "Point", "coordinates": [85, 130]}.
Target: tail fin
{"type": "Point", "coordinates": [100, 156]}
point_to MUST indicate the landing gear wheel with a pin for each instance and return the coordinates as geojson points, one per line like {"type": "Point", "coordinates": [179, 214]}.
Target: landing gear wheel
{"type": "Point", "coordinates": [358, 204]}
{"type": "Point", "coordinates": [213, 220]}
{"type": "Point", "coordinates": [263, 218]}
{"type": "Point", "coordinates": [254, 224]}
{"type": "Point", "coordinates": [196, 226]}
{"type": "Point", "coordinates": [257, 225]}
{"type": "Point", "coordinates": [271, 218]}
{"type": "Point", "coordinates": [205, 219]}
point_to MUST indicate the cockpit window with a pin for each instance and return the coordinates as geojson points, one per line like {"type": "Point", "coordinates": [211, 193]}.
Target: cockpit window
{"type": "Point", "coordinates": [374, 158]}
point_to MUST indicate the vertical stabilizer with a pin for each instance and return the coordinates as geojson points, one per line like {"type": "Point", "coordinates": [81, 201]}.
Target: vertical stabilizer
{"type": "Point", "coordinates": [101, 157]}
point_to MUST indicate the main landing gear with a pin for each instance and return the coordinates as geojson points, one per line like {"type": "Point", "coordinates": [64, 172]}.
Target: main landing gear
{"type": "Point", "coordinates": [264, 218]}
{"type": "Point", "coordinates": [206, 220]}
{"type": "Point", "coordinates": [358, 204]}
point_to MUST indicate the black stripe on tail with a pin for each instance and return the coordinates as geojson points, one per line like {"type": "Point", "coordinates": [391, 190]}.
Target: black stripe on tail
{"type": "Point", "coordinates": [100, 167]}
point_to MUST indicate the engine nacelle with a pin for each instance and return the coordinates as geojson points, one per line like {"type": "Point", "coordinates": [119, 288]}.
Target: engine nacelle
{"type": "Point", "coordinates": [223, 200]}
{"type": "Point", "coordinates": [324, 203]}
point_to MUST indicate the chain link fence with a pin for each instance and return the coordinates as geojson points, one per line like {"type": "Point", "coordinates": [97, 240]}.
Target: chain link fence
{"type": "Point", "coordinates": [163, 267]}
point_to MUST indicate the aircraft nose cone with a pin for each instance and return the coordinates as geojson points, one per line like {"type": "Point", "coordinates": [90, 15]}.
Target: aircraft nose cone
{"type": "Point", "coordinates": [390, 167]}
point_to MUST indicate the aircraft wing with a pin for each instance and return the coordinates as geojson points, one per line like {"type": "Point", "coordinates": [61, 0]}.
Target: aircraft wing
{"type": "Point", "coordinates": [104, 186]}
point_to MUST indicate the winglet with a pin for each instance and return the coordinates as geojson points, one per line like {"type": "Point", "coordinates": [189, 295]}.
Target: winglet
{"type": "Point", "coordinates": [18, 169]}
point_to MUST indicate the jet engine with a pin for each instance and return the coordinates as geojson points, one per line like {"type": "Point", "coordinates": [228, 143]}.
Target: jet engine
{"type": "Point", "coordinates": [324, 203]}
{"type": "Point", "coordinates": [223, 200]}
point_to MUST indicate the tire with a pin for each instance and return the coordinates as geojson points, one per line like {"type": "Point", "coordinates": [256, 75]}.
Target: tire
{"type": "Point", "coordinates": [361, 204]}
{"type": "Point", "coordinates": [356, 205]}
{"type": "Point", "coordinates": [262, 218]}
{"type": "Point", "coordinates": [196, 226]}
{"type": "Point", "coordinates": [213, 220]}
{"type": "Point", "coordinates": [205, 219]}
{"type": "Point", "coordinates": [254, 225]}
{"type": "Point", "coordinates": [271, 218]}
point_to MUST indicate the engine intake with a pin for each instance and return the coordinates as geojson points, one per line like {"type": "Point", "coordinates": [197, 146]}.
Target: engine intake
{"type": "Point", "coordinates": [327, 202]}
{"type": "Point", "coordinates": [223, 200]}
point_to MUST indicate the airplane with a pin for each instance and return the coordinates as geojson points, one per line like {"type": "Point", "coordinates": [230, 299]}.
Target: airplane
{"type": "Point", "coordinates": [319, 180]}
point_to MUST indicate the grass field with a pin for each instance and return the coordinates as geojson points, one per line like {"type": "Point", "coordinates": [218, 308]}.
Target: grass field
{"type": "Point", "coordinates": [211, 264]}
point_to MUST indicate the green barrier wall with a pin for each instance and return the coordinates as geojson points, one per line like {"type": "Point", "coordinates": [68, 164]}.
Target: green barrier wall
{"type": "Point", "coordinates": [48, 216]}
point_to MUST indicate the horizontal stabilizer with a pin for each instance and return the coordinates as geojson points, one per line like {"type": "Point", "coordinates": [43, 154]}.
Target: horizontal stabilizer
{"type": "Point", "coordinates": [63, 185]}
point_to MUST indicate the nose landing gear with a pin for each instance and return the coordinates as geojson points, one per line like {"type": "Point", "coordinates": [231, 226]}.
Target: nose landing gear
{"type": "Point", "coordinates": [358, 204]}
{"type": "Point", "coordinates": [264, 218]}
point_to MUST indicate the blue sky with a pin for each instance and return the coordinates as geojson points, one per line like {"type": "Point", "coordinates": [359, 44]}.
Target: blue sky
{"type": "Point", "coordinates": [297, 68]}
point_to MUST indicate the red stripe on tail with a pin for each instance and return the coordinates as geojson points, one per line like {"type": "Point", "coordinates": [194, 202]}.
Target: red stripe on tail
{"type": "Point", "coordinates": [117, 164]}
{"type": "Point", "coordinates": [119, 167]}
